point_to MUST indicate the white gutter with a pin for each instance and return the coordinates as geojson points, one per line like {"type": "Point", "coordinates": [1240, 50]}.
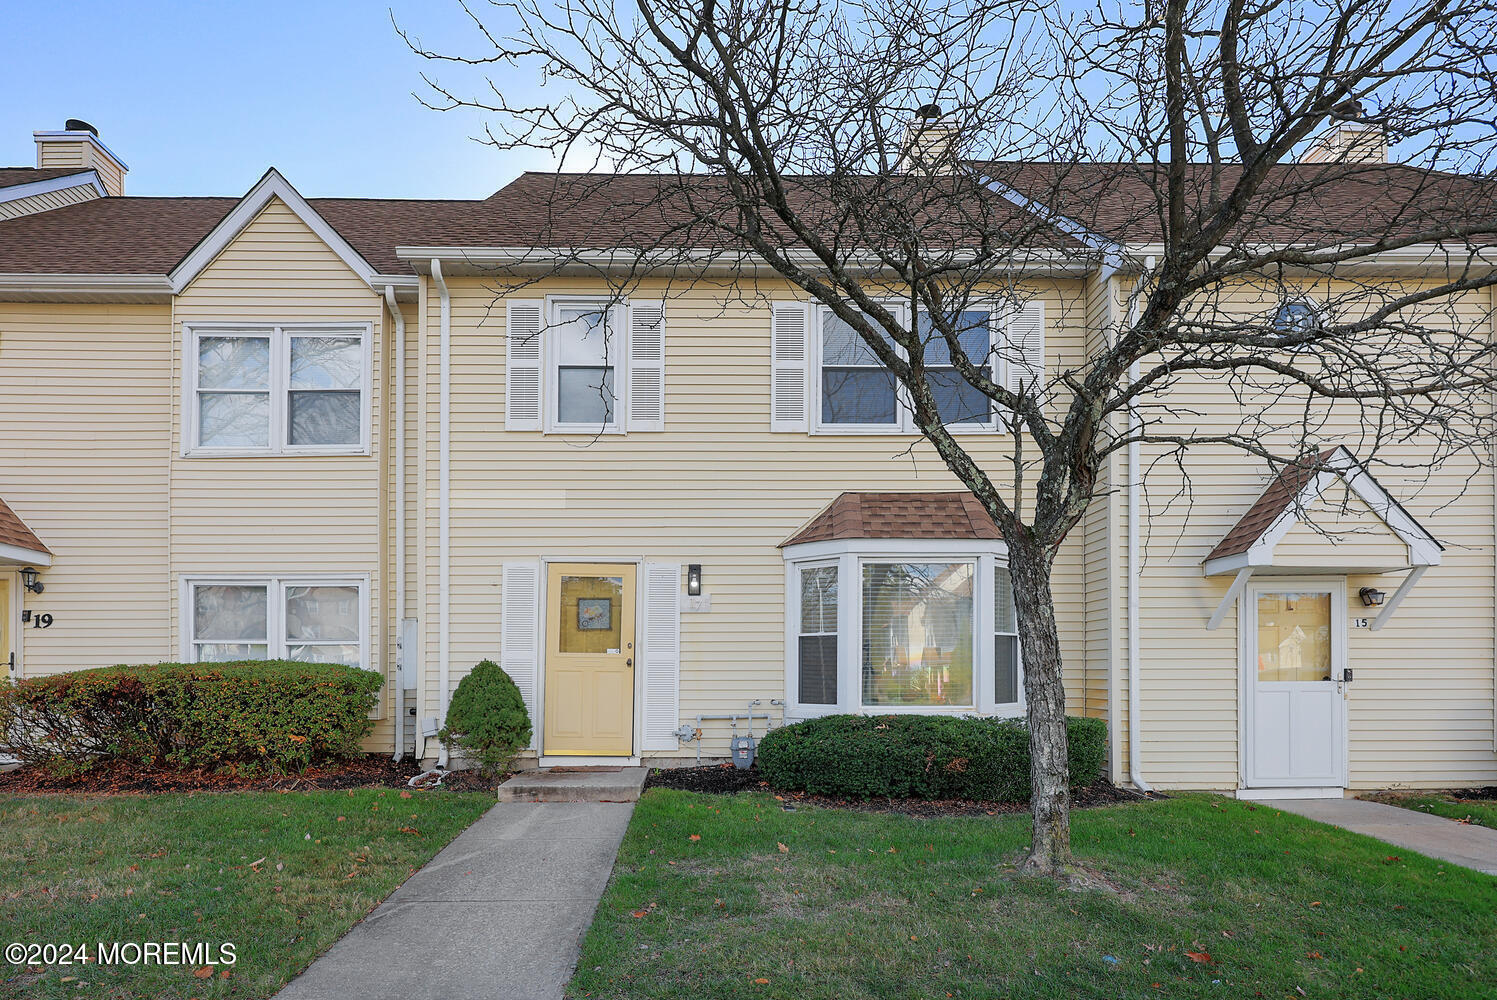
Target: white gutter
{"type": "Point", "coordinates": [1135, 502]}
{"type": "Point", "coordinates": [401, 653]}
{"type": "Point", "coordinates": [21, 287]}
{"type": "Point", "coordinates": [85, 177]}
{"type": "Point", "coordinates": [444, 505]}
{"type": "Point", "coordinates": [481, 259]}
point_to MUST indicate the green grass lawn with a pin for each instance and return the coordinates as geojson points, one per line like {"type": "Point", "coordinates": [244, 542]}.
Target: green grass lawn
{"type": "Point", "coordinates": [1202, 897]}
{"type": "Point", "coordinates": [280, 875]}
{"type": "Point", "coordinates": [1480, 812]}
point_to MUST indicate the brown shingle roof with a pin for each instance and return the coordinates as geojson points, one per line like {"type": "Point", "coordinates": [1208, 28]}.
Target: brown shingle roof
{"type": "Point", "coordinates": [898, 515]}
{"type": "Point", "coordinates": [1275, 499]}
{"type": "Point", "coordinates": [11, 176]}
{"type": "Point", "coordinates": [13, 531]}
{"type": "Point", "coordinates": [1303, 202]}
{"type": "Point", "coordinates": [601, 211]}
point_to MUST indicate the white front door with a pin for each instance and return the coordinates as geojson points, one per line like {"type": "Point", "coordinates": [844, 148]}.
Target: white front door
{"type": "Point", "coordinates": [1294, 639]}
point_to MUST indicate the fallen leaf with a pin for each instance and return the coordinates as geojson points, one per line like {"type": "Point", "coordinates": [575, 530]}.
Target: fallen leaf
{"type": "Point", "coordinates": [695, 836]}
{"type": "Point", "coordinates": [640, 914]}
{"type": "Point", "coordinates": [405, 795]}
{"type": "Point", "coordinates": [206, 972]}
{"type": "Point", "coordinates": [762, 981]}
{"type": "Point", "coordinates": [1199, 957]}
{"type": "Point", "coordinates": [1315, 902]}
{"type": "Point", "coordinates": [782, 847]}
{"type": "Point", "coordinates": [1313, 954]}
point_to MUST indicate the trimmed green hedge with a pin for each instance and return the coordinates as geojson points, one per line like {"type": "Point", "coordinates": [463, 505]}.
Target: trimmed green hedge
{"type": "Point", "coordinates": [919, 756]}
{"type": "Point", "coordinates": [276, 715]}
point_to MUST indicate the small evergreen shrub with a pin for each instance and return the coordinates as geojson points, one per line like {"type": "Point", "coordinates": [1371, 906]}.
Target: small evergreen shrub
{"type": "Point", "coordinates": [487, 719]}
{"type": "Point", "coordinates": [919, 756]}
{"type": "Point", "coordinates": [275, 715]}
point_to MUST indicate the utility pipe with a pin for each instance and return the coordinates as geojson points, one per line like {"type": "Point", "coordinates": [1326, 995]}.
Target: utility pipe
{"type": "Point", "coordinates": [444, 506]}
{"type": "Point", "coordinates": [1135, 498]}
{"type": "Point", "coordinates": [401, 653]}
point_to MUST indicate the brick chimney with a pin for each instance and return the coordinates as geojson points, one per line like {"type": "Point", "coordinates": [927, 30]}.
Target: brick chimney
{"type": "Point", "coordinates": [77, 145]}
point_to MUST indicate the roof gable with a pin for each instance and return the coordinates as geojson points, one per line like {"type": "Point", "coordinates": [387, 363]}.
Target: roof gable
{"type": "Point", "coordinates": [268, 188]}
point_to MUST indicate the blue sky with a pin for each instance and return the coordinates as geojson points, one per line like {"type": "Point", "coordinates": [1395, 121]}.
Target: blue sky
{"type": "Point", "coordinates": [200, 98]}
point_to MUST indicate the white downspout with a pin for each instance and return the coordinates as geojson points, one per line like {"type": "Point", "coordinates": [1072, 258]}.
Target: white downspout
{"type": "Point", "coordinates": [401, 653]}
{"type": "Point", "coordinates": [444, 507]}
{"type": "Point", "coordinates": [1135, 501]}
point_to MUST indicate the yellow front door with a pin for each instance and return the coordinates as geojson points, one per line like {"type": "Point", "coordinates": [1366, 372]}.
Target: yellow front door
{"type": "Point", "coordinates": [7, 640]}
{"type": "Point", "coordinates": [589, 660]}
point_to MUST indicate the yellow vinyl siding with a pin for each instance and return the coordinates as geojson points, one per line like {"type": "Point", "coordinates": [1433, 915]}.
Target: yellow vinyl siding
{"type": "Point", "coordinates": [82, 154]}
{"type": "Point", "coordinates": [62, 197]}
{"type": "Point", "coordinates": [1420, 709]}
{"type": "Point", "coordinates": [1339, 531]}
{"type": "Point", "coordinates": [715, 488]}
{"type": "Point", "coordinates": [287, 514]}
{"type": "Point", "coordinates": [85, 391]}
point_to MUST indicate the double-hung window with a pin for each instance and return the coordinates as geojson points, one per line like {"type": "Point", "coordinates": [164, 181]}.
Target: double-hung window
{"type": "Point", "coordinates": [1005, 639]}
{"type": "Point", "coordinates": [816, 648]}
{"type": "Point", "coordinates": [960, 403]}
{"type": "Point", "coordinates": [585, 340]}
{"type": "Point", "coordinates": [313, 619]}
{"type": "Point", "coordinates": [272, 390]}
{"type": "Point", "coordinates": [857, 389]}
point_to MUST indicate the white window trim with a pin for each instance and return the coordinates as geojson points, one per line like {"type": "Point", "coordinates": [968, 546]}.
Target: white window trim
{"type": "Point", "coordinates": [904, 422]}
{"type": "Point", "coordinates": [280, 335]}
{"type": "Point", "coordinates": [276, 586]}
{"type": "Point", "coordinates": [849, 556]}
{"type": "Point", "coordinates": [550, 376]}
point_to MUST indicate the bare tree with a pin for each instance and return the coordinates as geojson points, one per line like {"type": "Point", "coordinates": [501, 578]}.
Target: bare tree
{"type": "Point", "coordinates": [937, 155]}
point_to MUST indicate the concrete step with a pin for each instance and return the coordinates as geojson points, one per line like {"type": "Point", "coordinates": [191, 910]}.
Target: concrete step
{"type": "Point", "coordinates": [621, 784]}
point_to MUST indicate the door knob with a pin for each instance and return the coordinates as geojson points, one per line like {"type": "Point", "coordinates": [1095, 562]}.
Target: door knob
{"type": "Point", "coordinates": [629, 662]}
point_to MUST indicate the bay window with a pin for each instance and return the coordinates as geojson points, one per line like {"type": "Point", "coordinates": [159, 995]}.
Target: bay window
{"type": "Point", "coordinates": [320, 620]}
{"type": "Point", "coordinates": [271, 390]}
{"type": "Point", "coordinates": [924, 626]}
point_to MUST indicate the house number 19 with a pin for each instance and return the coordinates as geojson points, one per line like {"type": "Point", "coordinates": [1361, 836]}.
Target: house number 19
{"type": "Point", "coordinates": [43, 620]}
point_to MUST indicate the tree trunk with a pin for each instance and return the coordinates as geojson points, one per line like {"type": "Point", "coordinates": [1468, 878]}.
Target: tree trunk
{"type": "Point", "coordinates": [1049, 775]}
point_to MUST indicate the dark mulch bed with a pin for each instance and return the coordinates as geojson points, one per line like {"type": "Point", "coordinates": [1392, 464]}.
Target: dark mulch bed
{"type": "Point", "coordinates": [369, 771]}
{"type": "Point", "coordinates": [1486, 794]}
{"type": "Point", "coordinates": [725, 779]}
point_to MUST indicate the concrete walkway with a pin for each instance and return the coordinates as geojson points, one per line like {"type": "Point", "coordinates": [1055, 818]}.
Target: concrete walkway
{"type": "Point", "coordinates": [498, 913]}
{"type": "Point", "coordinates": [1435, 836]}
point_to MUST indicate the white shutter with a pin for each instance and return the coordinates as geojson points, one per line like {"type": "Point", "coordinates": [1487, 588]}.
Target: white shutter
{"type": "Point", "coordinates": [646, 367]}
{"type": "Point", "coordinates": [522, 395]}
{"type": "Point", "coordinates": [1024, 347]}
{"type": "Point", "coordinates": [789, 351]}
{"type": "Point", "coordinates": [661, 655]}
{"type": "Point", "coordinates": [520, 631]}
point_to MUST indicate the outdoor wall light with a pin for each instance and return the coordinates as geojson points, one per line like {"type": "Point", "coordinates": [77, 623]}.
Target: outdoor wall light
{"type": "Point", "coordinates": [30, 582]}
{"type": "Point", "coordinates": [694, 580]}
{"type": "Point", "coordinates": [1371, 596]}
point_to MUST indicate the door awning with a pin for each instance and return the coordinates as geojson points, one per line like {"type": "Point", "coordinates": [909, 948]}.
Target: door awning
{"type": "Point", "coordinates": [1324, 514]}
{"type": "Point", "coordinates": [19, 545]}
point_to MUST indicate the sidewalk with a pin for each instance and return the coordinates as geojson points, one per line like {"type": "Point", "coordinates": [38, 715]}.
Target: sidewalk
{"type": "Point", "coordinates": [498, 913]}
{"type": "Point", "coordinates": [1435, 836]}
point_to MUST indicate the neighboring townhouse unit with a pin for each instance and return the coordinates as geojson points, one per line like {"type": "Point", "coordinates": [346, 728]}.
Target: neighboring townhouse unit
{"type": "Point", "coordinates": [326, 429]}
